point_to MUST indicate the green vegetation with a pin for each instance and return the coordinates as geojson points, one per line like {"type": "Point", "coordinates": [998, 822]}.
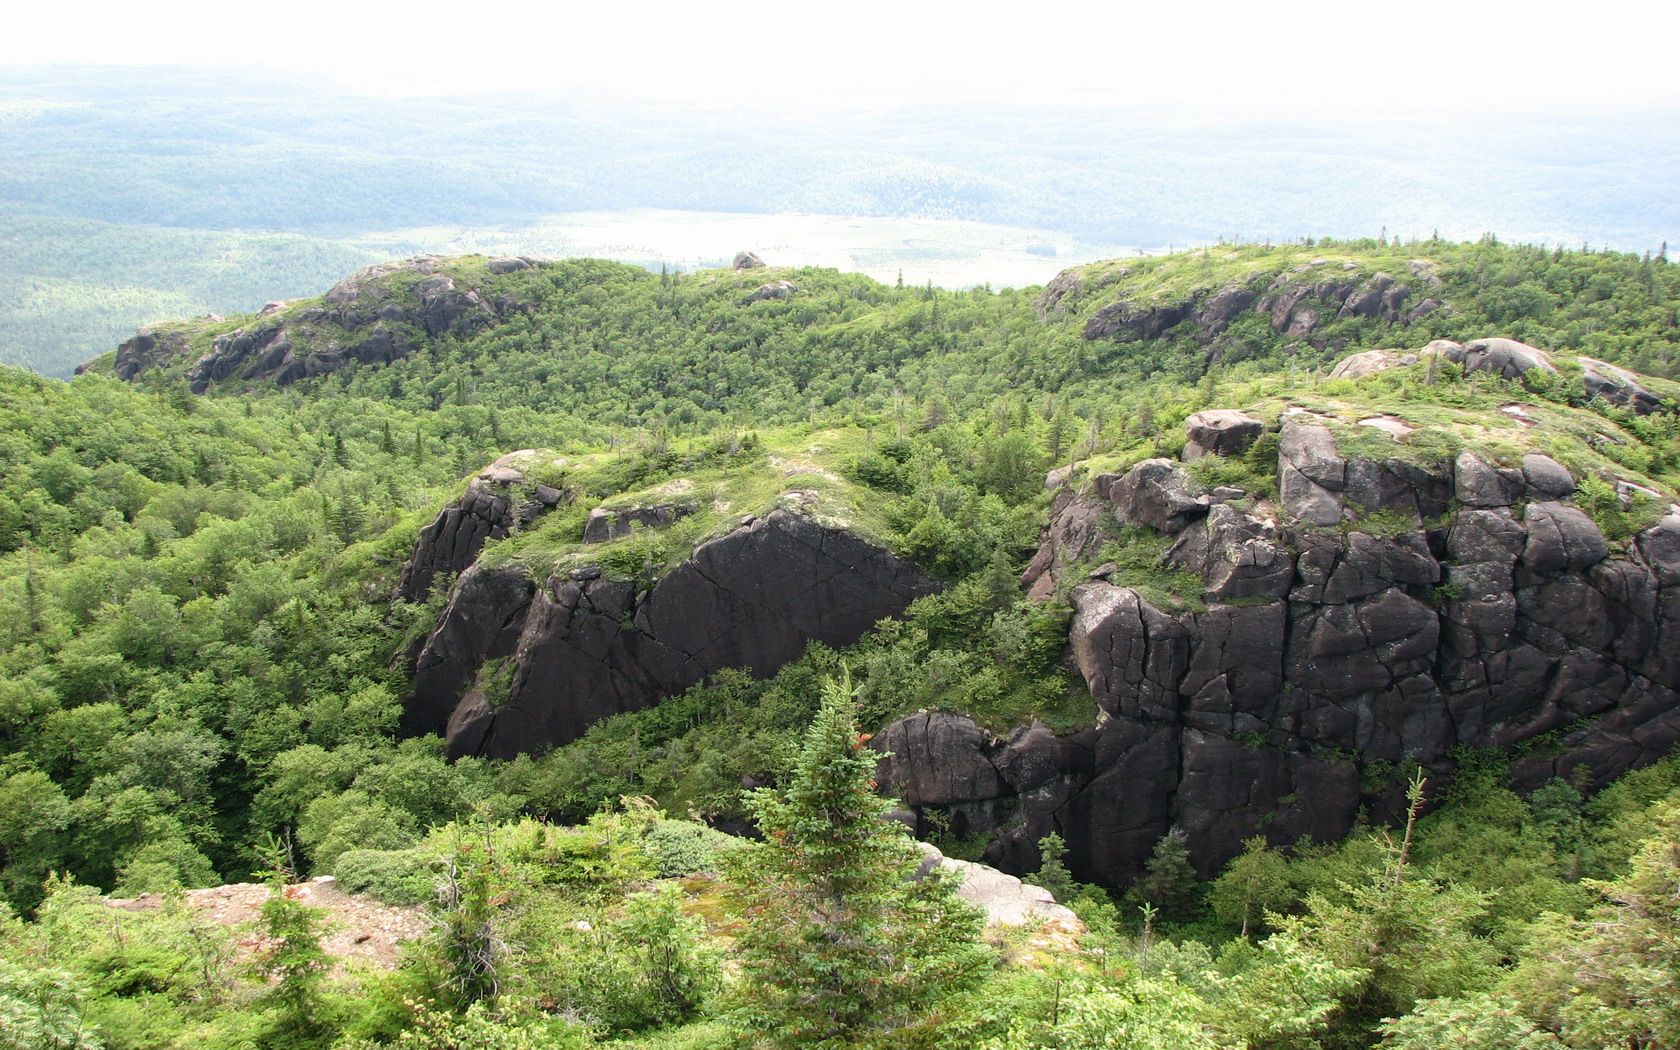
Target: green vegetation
{"type": "Point", "coordinates": [199, 657]}
{"type": "Point", "coordinates": [843, 946]}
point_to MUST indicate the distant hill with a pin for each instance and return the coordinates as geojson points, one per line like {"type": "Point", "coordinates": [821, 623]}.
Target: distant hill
{"type": "Point", "coordinates": [606, 344]}
{"type": "Point", "coordinates": [181, 153]}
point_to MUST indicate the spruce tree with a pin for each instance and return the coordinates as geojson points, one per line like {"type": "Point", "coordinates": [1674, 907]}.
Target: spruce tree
{"type": "Point", "coordinates": [844, 946]}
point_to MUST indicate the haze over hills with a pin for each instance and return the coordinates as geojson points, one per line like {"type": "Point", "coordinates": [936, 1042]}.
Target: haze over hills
{"type": "Point", "coordinates": [173, 152]}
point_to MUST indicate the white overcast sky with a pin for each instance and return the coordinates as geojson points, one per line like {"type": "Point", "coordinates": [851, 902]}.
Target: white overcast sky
{"type": "Point", "coordinates": [1347, 55]}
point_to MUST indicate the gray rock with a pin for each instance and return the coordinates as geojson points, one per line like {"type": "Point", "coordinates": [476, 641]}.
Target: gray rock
{"type": "Point", "coordinates": [1158, 494]}
{"type": "Point", "coordinates": [1370, 362]}
{"type": "Point", "coordinates": [1424, 308]}
{"type": "Point", "coordinates": [1617, 386]}
{"type": "Point", "coordinates": [149, 348]}
{"type": "Point", "coordinates": [1236, 555]}
{"type": "Point", "coordinates": [772, 290]}
{"type": "Point", "coordinates": [1006, 900]}
{"type": "Point", "coordinates": [1223, 431]}
{"type": "Point", "coordinates": [1130, 653]}
{"type": "Point", "coordinates": [1659, 546]}
{"type": "Point", "coordinates": [365, 318]}
{"type": "Point", "coordinates": [493, 505]}
{"type": "Point", "coordinates": [1561, 539]}
{"type": "Point", "coordinates": [1127, 322]}
{"type": "Point", "coordinates": [1479, 484]}
{"type": "Point", "coordinates": [1311, 473]}
{"type": "Point", "coordinates": [1228, 722]}
{"type": "Point", "coordinates": [483, 621]}
{"type": "Point", "coordinates": [1074, 533]}
{"type": "Point", "coordinates": [1546, 476]}
{"type": "Point", "coordinates": [1505, 357]}
{"type": "Point", "coordinates": [747, 261]}
{"type": "Point", "coordinates": [1216, 315]}
{"type": "Point", "coordinates": [604, 525]}
{"type": "Point", "coordinates": [938, 759]}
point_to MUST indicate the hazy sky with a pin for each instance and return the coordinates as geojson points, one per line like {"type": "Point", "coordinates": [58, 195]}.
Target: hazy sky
{"type": "Point", "coordinates": [1302, 57]}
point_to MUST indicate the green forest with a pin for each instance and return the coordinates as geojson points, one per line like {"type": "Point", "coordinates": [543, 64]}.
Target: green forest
{"type": "Point", "coordinates": [202, 670]}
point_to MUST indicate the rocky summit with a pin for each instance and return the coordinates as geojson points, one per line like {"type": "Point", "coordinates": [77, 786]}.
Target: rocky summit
{"type": "Point", "coordinates": [1369, 608]}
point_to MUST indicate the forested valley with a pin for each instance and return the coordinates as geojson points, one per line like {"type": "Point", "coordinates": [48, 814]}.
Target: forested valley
{"type": "Point", "coordinates": [205, 656]}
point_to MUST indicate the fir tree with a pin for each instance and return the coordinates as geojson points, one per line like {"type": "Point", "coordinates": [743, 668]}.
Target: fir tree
{"type": "Point", "coordinates": [843, 946]}
{"type": "Point", "coordinates": [1052, 873]}
{"type": "Point", "coordinates": [292, 958]}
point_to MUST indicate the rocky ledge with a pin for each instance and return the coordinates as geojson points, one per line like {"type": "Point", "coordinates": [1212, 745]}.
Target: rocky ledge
{"type": "Point", "coordinates": [1295, 302]}
{"type": "Point", "coordinates": [518, 665]}
{"type": "Point", "coordinates": [1379, 614]}
{"type": "Point", "coordinates": [379, 314]}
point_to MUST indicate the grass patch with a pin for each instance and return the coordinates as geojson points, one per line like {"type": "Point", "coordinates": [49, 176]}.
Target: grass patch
{"type": "Point", "coordinates": [1140, 552]}
{"type": "Point", "coordinates": [723, 480]}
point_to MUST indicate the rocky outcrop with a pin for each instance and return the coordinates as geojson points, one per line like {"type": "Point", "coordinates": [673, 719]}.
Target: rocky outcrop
{"type": "Point", "coordinates": [1158, 494]}
{"type": "Point", "coordinates": [1506, 358]}
{"type": "Point", "coordinates": [1512, 360]}
{"type": "Point", "coordinates": [516, 667]}
{"type": "Point", "coordinates": [747, 261]}
{"type": "Point", "coordinates": [772, 290]}
{"type": "Point", "coordinates": [148, 348]}
{"type": "Point", "coordinates": [1488, 611]}
{"type": "Point", "coordinates": [1075, 533]}
{"type": "Point", "coordinates": [1617, 386]}
{"type": "Point", "coordinates": [497, 501]}
{"type": "Point", "coordinates": [1006, 900]}
{"type": "Point", "coordinates": [1296, 305]}
{"type": "Point", "coordinates": [1295, 302]}
{"type": "Point", "coordinates": [377, 315]}
{"type": "Point", "coordinates": [1220, 432]}
{"type": "Point", "coordinates": [604, 525]}
{"type": "Point", "coordinates": [1127, 322]}
{"type": "Point", "coordinates": [1370, 362]}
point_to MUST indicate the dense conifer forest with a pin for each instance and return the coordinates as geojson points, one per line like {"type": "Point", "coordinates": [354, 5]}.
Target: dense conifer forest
{"type": "Point", "coordinates": [202, 671]}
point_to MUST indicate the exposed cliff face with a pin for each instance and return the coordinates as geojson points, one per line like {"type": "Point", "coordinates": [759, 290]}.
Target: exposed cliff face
{"type": "Point", "coordinates": [515, 667]}
{"type": "Point", "coordinates": [1295, 302]}
{"type": "Point", "coordinates": [379, 314]}
{"type": "Point", "coordinates": [500, 498]}
{"type": "Point", "coordinates": [1382, 613]}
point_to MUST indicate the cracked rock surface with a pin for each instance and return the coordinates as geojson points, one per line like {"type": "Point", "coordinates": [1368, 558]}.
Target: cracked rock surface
{"type": "Point", "coordinates": [1325, 662]}
{"type": "Point", "coordinates": [581, 647]}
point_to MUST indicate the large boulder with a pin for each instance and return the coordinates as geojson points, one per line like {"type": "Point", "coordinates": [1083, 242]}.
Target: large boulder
{"type": "Point", "coordinates": [1370, 362]}
{"type": "Point", "coordinates": [1222, 431]}
{"type": "Point", "coordinates": [1505, 357]}
{"type": "Point", "coordinates": [1158, 494]}
{"type": "Point", "coordinates": [1617, 386]}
